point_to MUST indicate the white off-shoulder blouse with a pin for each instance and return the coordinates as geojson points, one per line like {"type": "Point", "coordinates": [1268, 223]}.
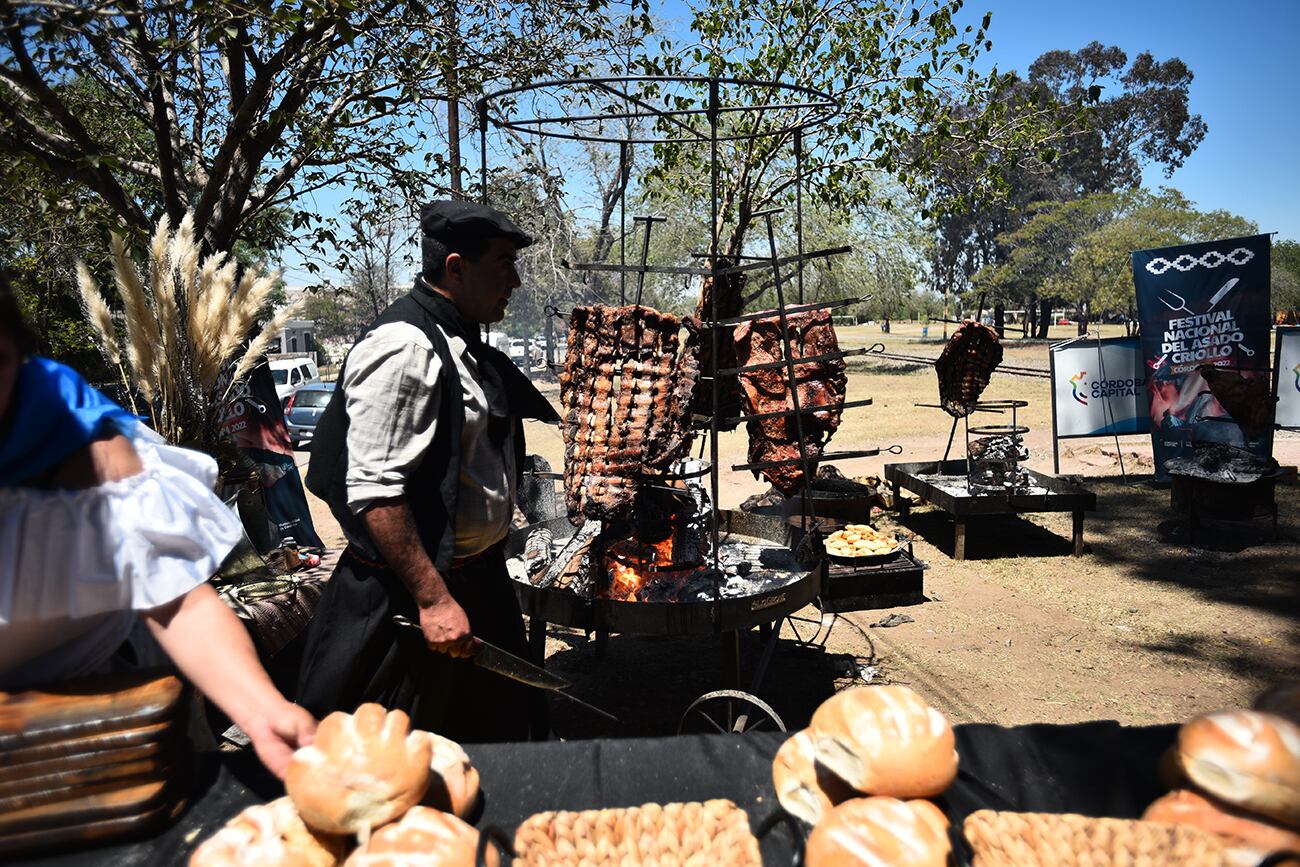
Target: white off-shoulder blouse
{"type": "Point", "coordinates": [76, 566]}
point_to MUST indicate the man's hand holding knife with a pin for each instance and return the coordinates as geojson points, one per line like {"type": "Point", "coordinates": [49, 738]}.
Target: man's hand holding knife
{"type": "Point", "coordinates": [442, 620]}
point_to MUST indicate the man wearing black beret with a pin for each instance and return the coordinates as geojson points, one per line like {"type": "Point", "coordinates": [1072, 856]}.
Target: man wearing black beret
{"type": "Point", "coordinates": [418, 455]}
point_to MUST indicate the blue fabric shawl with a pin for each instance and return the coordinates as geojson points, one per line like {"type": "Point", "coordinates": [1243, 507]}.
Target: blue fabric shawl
{"type": "Point", "coordinates": [54, 413]}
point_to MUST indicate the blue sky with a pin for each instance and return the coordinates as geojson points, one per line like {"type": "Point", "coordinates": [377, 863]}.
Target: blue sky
{"type": "Point", "coordinates": [1246, 88]}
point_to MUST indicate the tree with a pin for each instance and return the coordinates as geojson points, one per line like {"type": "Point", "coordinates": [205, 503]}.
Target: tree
{"type": "Point", "coordinates": [1079, 250]}
{"type": "Point", "coordinates": [1115, 121]}
{"type": "Point", "coordinates": [1286, 276]}
{"type": "Point", "coordinates": [1145, 121]}
{"type": "Point", "coordinates": [909, 97]}
{"type": "Point", "coordinates": [239, 110]}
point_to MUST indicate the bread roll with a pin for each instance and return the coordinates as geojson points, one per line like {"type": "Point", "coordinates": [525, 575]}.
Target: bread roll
{"type": "Point", "coordinates": [453, 787]}
{"type": "Point", "coordinates": [268, 835]}
{"type": "Point", "coordinates": [1246, 758]}
{"type": "Point", "coordinates": [424, 837]}
{"type": "Point", "coordinates": [1282, 699]}
{"type": "Point", "coordinates": [880, 831]}
{"type": "Point", "coordinates": [806, 789]}
{"type": "Point", "coordinates": [885, 740]}
{"type": "Point", "coordinates": [364, 769]}
{"type": "Point", "coordinates": [1246, 840]}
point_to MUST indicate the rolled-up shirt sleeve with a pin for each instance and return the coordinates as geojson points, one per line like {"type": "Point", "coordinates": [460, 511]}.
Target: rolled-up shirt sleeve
{"type": "Point", "coordinates": [391, 383]}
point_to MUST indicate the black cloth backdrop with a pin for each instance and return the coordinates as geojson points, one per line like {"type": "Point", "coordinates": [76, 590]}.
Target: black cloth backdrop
{"type": "Point", "coordinates": [1097, 768]}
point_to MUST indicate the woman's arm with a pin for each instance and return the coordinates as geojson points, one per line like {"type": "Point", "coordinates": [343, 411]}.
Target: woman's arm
{"type": "Point", "coordinates": [105, 460]}
{"type": "Point", "coordinates": [211, 648]}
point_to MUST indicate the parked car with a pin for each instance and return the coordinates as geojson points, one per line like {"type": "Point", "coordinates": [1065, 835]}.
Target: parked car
{"type": "Point", "coordinates": [303, 410]}
{"type": "Point", "coordinates": [292, 372]}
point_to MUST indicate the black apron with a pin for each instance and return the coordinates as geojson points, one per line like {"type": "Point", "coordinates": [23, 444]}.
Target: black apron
{"type": "Point", "coordinates": [353, 653]}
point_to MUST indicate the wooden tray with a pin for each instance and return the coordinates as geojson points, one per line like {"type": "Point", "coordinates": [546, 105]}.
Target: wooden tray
{"type": "Point", "coordinates": [153, 735]}
{"type": "Point", "coordinates": [91, 706]}
{"type": "Point", "coordinates": [112, 801]}
{"type": "Point", "coordinates": [64, 785]}
{"type": "Point", "coordinates": [96, 832]}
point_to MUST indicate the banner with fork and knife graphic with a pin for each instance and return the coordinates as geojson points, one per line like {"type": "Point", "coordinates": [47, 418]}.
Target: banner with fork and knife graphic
{"type": "Point", "coordinates": [1201, 304]}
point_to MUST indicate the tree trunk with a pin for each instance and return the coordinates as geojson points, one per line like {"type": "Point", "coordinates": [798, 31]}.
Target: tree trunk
{"type": "Point", "coordinates": [1000, 318]}
{"type": "Point", "coordinates": [453, 104]}
{"type": "Point", "coordinates": [1044, 317]}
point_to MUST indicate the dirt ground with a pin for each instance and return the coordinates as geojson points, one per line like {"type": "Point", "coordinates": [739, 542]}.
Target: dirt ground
{"type": "Point", "coordinates": [1142, 629]}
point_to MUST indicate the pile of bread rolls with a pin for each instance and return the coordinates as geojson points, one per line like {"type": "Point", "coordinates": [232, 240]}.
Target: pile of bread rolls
{"type": "Point", "coordinates": [859, 774]}
{"type": "Point", "coordinates": [369, 778]}
{"type": "Point", "coordinates": [1236, 774]}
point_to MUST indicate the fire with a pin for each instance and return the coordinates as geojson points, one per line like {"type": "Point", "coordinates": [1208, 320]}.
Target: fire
{"type": "Point", "coordinates": [624, 557]}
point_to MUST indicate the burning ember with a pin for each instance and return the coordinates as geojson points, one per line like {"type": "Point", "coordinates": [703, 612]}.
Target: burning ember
{"type": "Point", "coordinates": [664, 554]}
{"type": "Point", "coordinates": [630, 565]}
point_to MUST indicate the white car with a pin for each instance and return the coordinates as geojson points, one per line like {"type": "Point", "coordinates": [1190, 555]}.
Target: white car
{"type": "Point", "coordinates": [291, 373]}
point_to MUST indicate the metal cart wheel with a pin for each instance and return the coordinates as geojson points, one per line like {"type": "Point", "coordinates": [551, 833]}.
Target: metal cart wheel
{"type": "Point", "coordinates": [812, 632]}
{"type": "Point", "coordinates": [729, 711]}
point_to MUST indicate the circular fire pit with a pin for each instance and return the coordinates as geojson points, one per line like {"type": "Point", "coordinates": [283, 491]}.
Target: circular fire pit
{"type": "Point", "coordinates": [764, 584]}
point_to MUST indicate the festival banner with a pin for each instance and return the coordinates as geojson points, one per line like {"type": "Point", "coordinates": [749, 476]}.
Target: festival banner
{"type": "Point", "coordinates": [1099, 388]}
{"type": "Point", "coordinates": [255, 422]}
{"type": "Point", "coordinates": [1201, 305]}
{"type": "Point", "coordinates": [1288, 377]}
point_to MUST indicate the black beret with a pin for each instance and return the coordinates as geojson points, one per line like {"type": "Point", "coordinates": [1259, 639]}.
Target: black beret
{"type": "Point", "coordinates": [448, 219]}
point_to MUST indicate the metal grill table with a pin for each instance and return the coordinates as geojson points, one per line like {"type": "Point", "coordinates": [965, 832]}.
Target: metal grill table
{"type": "Point", "coordinates": [943, 483]}
{"type": "Point", "coordinates": [885, 585]}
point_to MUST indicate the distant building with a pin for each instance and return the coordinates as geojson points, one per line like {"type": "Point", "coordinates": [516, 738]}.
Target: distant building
{"type": "Point", "coordinates": [297, 336]}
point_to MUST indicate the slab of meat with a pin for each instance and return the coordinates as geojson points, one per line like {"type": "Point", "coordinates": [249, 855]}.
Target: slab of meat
{"type": "Point", "coordinates": [821, 387]}
{"type": "Point", "coordinates": [1247, 397]}
{"type": "Point", "coordinates": [965, 365]}
{"type": "Point", "coordinates": [731, 299]}
{"type": "Point", "coordinates": [624, 397]}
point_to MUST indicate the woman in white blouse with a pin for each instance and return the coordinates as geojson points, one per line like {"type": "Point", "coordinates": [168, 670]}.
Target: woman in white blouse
{"type": "Point", "coordinates": [107, 538]}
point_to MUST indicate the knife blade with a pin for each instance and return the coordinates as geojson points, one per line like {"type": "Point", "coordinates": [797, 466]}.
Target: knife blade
{"type": "Point", "coordinates": [1218, 296]}
{"type": "Point", "coordinates": [492, 658]}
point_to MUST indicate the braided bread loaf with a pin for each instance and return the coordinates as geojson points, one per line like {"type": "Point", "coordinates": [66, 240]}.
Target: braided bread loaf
{"type": "Point", "coordinates": [709, 834]}
{"type": "Point", "coordinates": [1067, 840]}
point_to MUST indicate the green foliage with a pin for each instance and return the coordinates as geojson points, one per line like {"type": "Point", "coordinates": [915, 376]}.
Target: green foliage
{"type": "Point", "coordinates": [1144, 117]}
{"type": "Point", "coordinates": [1286, 276]}
{"type": "Point", "coordinates": [910, 103]}
{"type": "Point", "coordinates": [237, 112]}
{"type": "Point", "coordinates": [1078, 250]}
{"type": "Point", "coordinates": [1115, 118]}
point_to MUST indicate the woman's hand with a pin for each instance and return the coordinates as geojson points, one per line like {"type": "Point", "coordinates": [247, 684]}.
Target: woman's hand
{"type": "Point", "coordinates": [211, 647]}
{"type": "Point", "coordinates": [279, 731]}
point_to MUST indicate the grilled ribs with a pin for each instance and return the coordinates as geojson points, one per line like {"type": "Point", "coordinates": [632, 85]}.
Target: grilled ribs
{"type": "Point", "coordinates": [731, 300]}
{"type": "Point", "coordinates": [965, 365]}
{"type": "Point", "coordinates": [821, 384]}
{"type": "Point", "coordinates": [624, 396]}
{"type": "Point", "coordinates": [1248, 399]}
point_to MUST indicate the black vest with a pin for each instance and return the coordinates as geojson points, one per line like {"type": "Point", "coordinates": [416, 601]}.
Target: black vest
{"type": "Point", "coordinates": [433, 485]}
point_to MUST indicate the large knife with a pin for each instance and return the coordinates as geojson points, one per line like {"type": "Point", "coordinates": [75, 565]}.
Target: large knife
{"type": "Point", "coordinates": [1218, 296]}
{"type": "Point", "coordinates": [492, 658]}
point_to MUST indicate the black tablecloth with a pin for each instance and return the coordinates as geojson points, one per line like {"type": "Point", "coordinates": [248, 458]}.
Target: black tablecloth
{"type": "Point", "coordinates": [1100, 769]}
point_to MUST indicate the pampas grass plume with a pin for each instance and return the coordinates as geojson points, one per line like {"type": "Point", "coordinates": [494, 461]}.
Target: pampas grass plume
{"type": "Point", "coordinates": [97, 314]}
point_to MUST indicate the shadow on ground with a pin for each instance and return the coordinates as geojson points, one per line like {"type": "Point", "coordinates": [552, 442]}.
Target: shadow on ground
{"type": "Point", "coordinates": [988, 537]}
{"type": "Point", "coordinates": [1238, 562]}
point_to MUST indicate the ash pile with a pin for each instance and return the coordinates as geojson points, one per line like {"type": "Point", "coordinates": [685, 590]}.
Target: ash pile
{"type": "Point", "coordinates": [995, 465]}
{"type": "Point", "coordinates": [1217, 462]}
